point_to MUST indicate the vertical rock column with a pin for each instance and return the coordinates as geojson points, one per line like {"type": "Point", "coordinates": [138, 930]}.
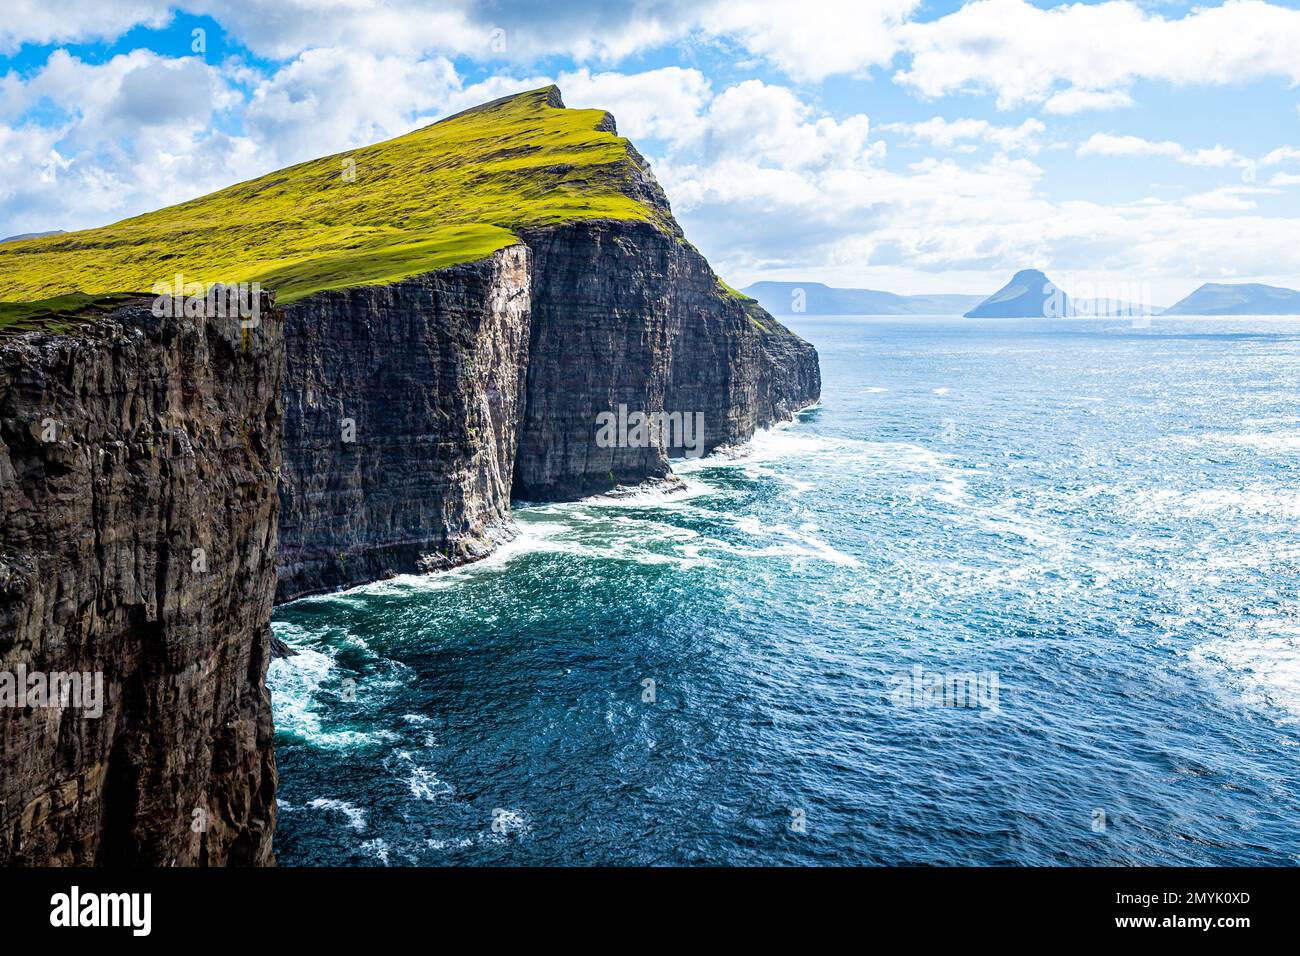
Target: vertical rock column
{"type": "Point", "coordinates": [138, 463]}
{"type": "Point", "coordinates": [628, 314]}
{"type": "Point", "coordinates": [401, 416]}
{"type": "Point", "coordinates": [603, 323]}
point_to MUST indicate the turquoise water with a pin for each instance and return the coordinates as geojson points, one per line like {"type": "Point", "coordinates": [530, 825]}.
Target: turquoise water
{"type": "Point", "coordinates": [1086, 530]}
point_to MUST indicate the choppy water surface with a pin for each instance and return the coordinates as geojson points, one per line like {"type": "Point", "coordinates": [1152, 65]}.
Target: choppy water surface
{"type": "Point", "coordinates": [1103, 519]}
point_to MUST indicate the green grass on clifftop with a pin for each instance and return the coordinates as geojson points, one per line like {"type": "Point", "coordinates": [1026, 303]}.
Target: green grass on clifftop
{"type": "Point", "coordinates": [59, 313]}
{"type": "Point", "coordinates": [453, 192]}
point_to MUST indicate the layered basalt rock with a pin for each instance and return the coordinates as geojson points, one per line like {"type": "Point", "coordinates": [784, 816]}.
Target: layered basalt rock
{"type": "Point", "coordinates": [401, 411]}
{"type": "Point", "coordinates": [628, 314]}
{"type": "Point", "coordinates": [362, 431]}
{"type": "Point", "coordinates": [138, 463]}
{"type": "Point", "coordinates": [473, 385]}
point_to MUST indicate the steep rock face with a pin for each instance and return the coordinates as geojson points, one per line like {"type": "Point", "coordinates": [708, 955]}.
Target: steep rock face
{"type": "Point", "coordinates": [789, 374]}
{"type": "Point", "coordinates": [601, 327]}
{"type": "Point", "coordinates": [138, 460]}
{"type": "Point", "coordinates": [401, 406]}
{"type": "Point", "coordinates": [626, 314]}
{"type": "Point", "coordinates": [412, 413]}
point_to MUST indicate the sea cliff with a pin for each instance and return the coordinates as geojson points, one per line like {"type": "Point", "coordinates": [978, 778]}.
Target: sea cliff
{"type": "Point", "coordinates": [451, 329]}
{"type": "Point", "coordinates": [138, 505]}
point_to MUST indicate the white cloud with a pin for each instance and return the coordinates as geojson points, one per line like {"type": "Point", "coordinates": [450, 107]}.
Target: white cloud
{"type": "Point", "coordinates": [1226, 199]}
{"type": "Point", "coordinates": [769, 124]}
{"type": "Point", "coordinates": [1283, 154]}
{"type": "Point", "coordinates": [137, 132]}
{"type": "Point", "coordinates": [809, 40]}
{"type": "Point", "coordinates": [962, 134]}
{"type": "Point", "coordinates": [64, 21]}
{"type": "Point", "coordinates": [1069, 102]}
{"type": "Point", "coordinates": [284, 29]}
{"type": "Point", "coordinates": [46, 188]}
{"type": "Point", "coordinates": [1024, 54]}
{"type": "Point", "coordinates": [1107, 144]}
{"type": "Point", "coordinates": [754, 206]}
{"type": "Point", "coordinates": [666, 104]}
{"type": "Point", "coordinates": [27, 155]}
{"type": "Point", "coordinates": [331, 99]}
{"type": "Point", "coordinates": [1072, 57]}
{"type": "Point", "coordinates": [124, 93]}
{"type": "Point", "coordinates": [812, 39]}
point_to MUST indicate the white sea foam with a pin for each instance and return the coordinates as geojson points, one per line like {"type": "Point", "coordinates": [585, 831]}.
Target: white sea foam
{"type": "Point", "coordinates": [611, 535]}
{"type": "Point", "coordinates": [650, 496]}
{"type": "Point", "coordinates": [423, 782]}
{"type": "Point", "coordinates": [799, 543]}
{"type": "Point", "coordinates": [787, 441]}
{"type": "Point", "coordinates": [294, 681]}
{"type": "Point", "coordinates": [356, 816]}
{"type": "Point", "coordinates": [458, 843]}
{"type": "Point", "coordinates": [531, 537]}
{"type": "Point", "coordinates": [296, 685]}
{"type": "Point", "coordinates": [780, 441]}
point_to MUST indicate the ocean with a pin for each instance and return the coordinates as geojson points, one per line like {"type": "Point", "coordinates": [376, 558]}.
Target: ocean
{"type": "Point", "coordinates": [1016, 592]}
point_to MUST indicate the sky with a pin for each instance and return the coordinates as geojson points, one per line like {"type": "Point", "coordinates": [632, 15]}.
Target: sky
{"type": "Point", "coordinates": [1136, 146]}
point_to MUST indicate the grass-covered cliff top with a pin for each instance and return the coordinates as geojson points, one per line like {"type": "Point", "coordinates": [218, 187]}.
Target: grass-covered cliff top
{"type": "Point", "coordinates": [453, 192]}
{"type": "Point", "coordinates": [60, 313]}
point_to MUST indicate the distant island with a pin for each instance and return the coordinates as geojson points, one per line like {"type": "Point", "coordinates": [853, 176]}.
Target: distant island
{"type": "Point", "coordinates": [815, 298]}
{"type": "Point", "coordinates": [1029, 295]}
{"type": "Point", "coordinates": [1217, 298]}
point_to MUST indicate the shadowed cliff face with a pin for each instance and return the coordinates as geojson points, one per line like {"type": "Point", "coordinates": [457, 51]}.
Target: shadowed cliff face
{"type": "Point", "coordinates": [602, 324]}
{"type": "Point", "coordinates": [629, 315]}
{"type": "Point", "coordinates": [625, 314]}
{"type": "Point", "coordinates": [413, 412]}
{"type": "Point", "coordinates": [137, 542]}
{"type": "Point", "coordinates": [401, 405]}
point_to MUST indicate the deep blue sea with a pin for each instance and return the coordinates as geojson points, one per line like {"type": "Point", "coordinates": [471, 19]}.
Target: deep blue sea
{"type": "Point", "coordinates": [1014, 593]}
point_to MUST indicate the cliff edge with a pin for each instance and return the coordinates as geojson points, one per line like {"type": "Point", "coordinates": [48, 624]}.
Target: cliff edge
{"type": "Point", "coordinates": [138, 462]}
{"type": "Point", "coordinates": [460, 312]}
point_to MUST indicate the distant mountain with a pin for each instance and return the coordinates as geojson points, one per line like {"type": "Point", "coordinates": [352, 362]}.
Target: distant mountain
{"type": "Point", "coordinates": [1216, 298]}
{"type": "Point", "coordinates": [1029, 295]}
{"type": "Point", "coordinates": [31, 235]}
{"type": "Point", "coordinates": [815, 298]}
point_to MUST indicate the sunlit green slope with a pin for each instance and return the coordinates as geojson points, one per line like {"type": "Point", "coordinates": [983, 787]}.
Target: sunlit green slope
{"type": "Point", "coordinates": [452, 192]}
